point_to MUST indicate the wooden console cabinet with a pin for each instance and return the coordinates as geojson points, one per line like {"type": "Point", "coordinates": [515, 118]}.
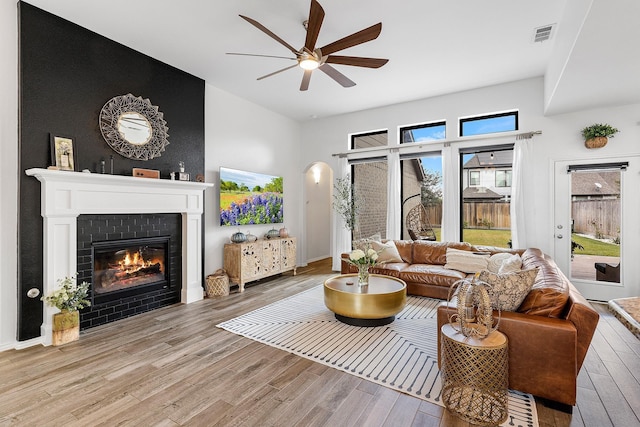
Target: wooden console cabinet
{"type": "Point", "coordinates": [245, 262]}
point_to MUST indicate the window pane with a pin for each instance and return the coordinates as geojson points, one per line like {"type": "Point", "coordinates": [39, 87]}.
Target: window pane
{"type": "Point", "coordinates": [595, 225]}
{"type": "Point", "coordinates": [423, 133]}
{"type": "Point", "coordinates": [367, 140]}
{"type": "Point", "coordinates": [422, 197]}
{"type": "Point", "coordinates": [474, 178]}
{"type": "Point", "coordinates": [370, 184]}
{"type": "Point", "coordinates": [489, 124]}
{"type": "Point", "coordinates": [503, 178]}
{"type": "Point", "coordinates": [486, 194]}
{"type": "Point", "coordinates": [422, 184]}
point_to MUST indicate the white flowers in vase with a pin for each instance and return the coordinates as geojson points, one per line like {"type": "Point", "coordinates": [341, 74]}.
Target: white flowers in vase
{"type": "Point", "coordinates": [363, 259]}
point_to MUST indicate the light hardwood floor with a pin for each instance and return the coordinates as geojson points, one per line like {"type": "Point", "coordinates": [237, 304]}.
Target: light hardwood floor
{"type": "Point", "coordinates": [174, 367]}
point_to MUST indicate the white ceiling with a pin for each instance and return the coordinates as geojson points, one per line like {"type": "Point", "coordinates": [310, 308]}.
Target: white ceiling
{"type": "Point", "coordinates": [433, 47]}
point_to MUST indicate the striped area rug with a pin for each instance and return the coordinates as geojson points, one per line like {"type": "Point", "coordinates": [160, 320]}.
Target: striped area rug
{"type": "Point", "coordinates": [401, 355]}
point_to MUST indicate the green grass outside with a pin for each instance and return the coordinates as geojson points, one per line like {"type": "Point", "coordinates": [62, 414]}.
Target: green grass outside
{"type": "Point", "coordinates": [595, 247]}
{"type": "Point", "coordinates": [501, 237]}
{"type": "Point", "coordinates": [482, 237]}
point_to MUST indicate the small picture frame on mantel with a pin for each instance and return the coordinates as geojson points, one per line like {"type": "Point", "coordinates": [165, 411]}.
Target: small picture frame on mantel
{"type": "Point", "coordinates": [63, 152]}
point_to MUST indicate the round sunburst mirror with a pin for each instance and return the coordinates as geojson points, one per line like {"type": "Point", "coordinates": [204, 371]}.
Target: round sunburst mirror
{"type": "Point", "coordinates": [133, 127]}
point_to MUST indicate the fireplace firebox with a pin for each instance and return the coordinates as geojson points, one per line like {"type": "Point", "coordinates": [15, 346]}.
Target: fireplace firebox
{"type": "Point", "coordinates": [133, 262]}
{"type": "Point", "coordinates": [121, 265]}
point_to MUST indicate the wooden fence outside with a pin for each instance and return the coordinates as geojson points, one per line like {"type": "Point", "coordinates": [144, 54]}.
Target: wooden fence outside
{"type": "Point", "coordinates": [600, 218]}
{"type": "Point", "coordinates": [487, 215]}
{"type": "Point", "coordinates": [476, 215]}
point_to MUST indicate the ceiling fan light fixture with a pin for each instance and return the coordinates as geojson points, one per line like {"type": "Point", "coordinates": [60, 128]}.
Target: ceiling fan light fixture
{"type": "Point", "coordinates": [309, 63]}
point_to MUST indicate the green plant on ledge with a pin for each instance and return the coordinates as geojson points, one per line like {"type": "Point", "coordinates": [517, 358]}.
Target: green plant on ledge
{"type": "Point", "coordinates": [599, 129]}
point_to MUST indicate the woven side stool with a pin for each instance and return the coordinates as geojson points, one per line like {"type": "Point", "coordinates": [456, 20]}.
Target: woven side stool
{"type": "Point", "coordinates": [475, 376]}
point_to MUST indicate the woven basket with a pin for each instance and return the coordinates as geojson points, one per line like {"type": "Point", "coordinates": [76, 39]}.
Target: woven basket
{"type": "Point", "coordinates": [597, 142]}
{"type": "Point", "coordinates": [217, 284]}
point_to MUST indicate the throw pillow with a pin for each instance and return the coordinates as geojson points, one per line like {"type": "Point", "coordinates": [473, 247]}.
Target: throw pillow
{"type": "Point", "coordinates": [511, 264]}
{"type": "Point", "coordinates": [508, 290]}
{"type": "Point", "coordinates": [465, 261]}
{"type": "Point", "coordinates": [387, 252]}
{"type": "Point", "coordinates": [365, 243]}
{"type": "Point", "coordinates": [496, 260]}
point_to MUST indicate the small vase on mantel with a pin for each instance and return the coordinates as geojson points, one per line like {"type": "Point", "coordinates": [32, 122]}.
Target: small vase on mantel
{"type": "Point", "coordinates": [66, 327]}
{"type": "Point", "coordinates": [363, 275]}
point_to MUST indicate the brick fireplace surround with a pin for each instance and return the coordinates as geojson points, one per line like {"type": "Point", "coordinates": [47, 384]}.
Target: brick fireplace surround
{"type": "Point", "coordinates": [65, 195]}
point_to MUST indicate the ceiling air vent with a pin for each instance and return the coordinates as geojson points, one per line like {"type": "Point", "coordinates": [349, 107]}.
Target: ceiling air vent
{"type": "Point", "coordinates": [543, 33]}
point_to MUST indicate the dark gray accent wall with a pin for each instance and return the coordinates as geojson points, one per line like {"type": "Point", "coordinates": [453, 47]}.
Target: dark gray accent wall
{"type": "Point", "coordinates": [67, 73]}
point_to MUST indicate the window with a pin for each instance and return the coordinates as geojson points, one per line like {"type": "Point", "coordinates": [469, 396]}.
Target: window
{"type": "Point", "coordinates": [368, 140]}
{"type": "Point", "coordinates": [503, 178]}
{"type": "Point", "coordinates": [421, 176]}
{"type": "Point", "coordinates": [370, 184]}
{"type": "Point", "coordinates": [492, 123]}
{"type": "Point", "coordinates": [486, 195]}
{"type": "Point", "coordinates": [474, 178]}
{"type": "Point", "coordinates": [423, 133]}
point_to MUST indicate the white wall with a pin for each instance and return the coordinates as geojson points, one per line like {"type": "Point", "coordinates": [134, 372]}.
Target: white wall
{"type": "Point", "coordinates": [8, 171]}
{"type": "Point", "coordinates": [243, 135]}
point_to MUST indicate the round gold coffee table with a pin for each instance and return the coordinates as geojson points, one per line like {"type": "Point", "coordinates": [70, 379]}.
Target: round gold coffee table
{"type": "Point", "coordinates": [373, 305]}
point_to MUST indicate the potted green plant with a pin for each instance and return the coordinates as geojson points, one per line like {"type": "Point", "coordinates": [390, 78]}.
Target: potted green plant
{"type": "Point", "coordinates": [596, 136]}
{"type": "Point", "coordinates": [69, 297]}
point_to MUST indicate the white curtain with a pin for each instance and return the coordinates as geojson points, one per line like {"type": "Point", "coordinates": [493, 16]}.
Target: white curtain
{"type": "Point", "coordinates": [394, 219]}
{"type": "Point", "coordinates": [341, 235]}
{"type": "Point", "coordinates": [521, 170]}
{"type": "Point", "coordinates": [450, 195]}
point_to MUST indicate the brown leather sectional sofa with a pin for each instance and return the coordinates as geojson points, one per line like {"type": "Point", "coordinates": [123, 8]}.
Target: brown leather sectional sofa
{"type": "Point", "coordinates": [549, 334]}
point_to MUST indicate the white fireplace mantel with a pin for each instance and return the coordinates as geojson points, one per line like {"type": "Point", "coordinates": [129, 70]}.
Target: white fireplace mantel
{"type": "Point", "coordinates": [65, 195]}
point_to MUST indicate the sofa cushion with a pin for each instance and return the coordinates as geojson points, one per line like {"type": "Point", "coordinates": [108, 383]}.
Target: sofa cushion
{"type": "Point", "coordinates": [426, 252]}
{"type": "Point", "coordinates": [392, 269]}
{"type": "Point", "coordinates": [365, 243]}
{"type": "Point", "coordinates": [495, 262]}
{"type": "Point", "coordinates": [508, 290]}
{"type": "Point", "coordinates": [511, 264]}
{"type": "Point", "coordinates": [430, 274]}
{"type": "Point", "coordinates": [550, 291]}
{"type": "Point", "coordinates": [405, 249]}
{"type": "Point", "coordinates": [465, 261]}
{"type": "Point", "coordinates": [387, 251]}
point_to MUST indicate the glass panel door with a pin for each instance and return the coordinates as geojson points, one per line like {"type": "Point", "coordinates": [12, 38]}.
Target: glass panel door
{"type": "Point", "coordinates": [595, 226]}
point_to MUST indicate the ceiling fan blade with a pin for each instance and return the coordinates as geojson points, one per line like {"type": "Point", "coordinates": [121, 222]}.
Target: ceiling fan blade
{"type": "Point", "coordinates": [356, 61]}
{"type": "Point", "coordinates": [277, 72]}
{"type": "Point", "coordinates": [354, 39]}
{"type": "Point", "coordinates": [263, 56]}
{"type": "Point", "coordinates": [336, 75]}
{"type": "Point", "coordinates": [269, 33]}
{"type": "Point", "coordinates": [316, 16]}
{"type": "Point", "coordinates": [306, 77]}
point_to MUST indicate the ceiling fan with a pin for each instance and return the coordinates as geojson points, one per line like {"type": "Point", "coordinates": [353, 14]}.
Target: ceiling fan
{"type": "Point", "coordinates": [310, 58]}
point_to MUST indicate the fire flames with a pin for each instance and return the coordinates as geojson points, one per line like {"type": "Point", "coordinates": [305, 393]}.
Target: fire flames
{"type": "Point", "coordinates": [133, 262]}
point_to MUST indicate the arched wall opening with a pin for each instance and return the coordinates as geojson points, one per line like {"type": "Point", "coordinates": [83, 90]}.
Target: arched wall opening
{"type": "Point", "coordinates": [317, 213]}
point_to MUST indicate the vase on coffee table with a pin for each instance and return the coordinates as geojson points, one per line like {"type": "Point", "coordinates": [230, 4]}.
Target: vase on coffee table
{"type": "Point", "coordinates": [363, 275]}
